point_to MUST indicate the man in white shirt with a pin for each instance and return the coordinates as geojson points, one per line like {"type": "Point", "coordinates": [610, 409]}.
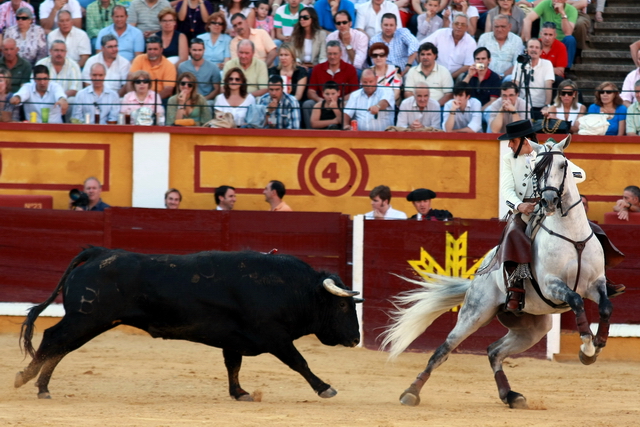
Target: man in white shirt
{"type": "Point", "coordinates": [462, 113]}
{"type": "Point", "coordinates": [42, 93]}
{"type": "Point", "coordinates": [63, 70]}
{"type": "Point", "coordinates": [541, 78]}
{"type": "Point", "coordinates": [117, 66]}
{"type": "Point", "coordinates": [76, 40]}
{"type": "Point", "coordinates": [437, 77]}
{"type": "Point", "coordinates": [225, 197]}
{"type": "Point", "coordinates": [372, 106]}
{"type": "Point", "coordinates": [353, 43]}
{"type": "Point", "coordinates": [381, 204]}
{"type": "Point", "coordinates": [50, 8]}
{"type": "Point", "coordinates": [456, 46]}
{"type": "Point", "coordinates": [503, 45]}
{"type": "Point", "coordinates": [507, 109]}
{"type": "Point", "coordinates": [369, 16]}
{"type": "Point", "coordinates": [97, 99]}
{"type": "Point", "coordinates": [627, 93]}
{"type": "Point", "coordinates": [419, 110]}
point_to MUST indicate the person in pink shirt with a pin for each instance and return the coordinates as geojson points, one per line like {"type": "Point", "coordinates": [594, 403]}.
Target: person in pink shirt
{"type": "Point", "coordinates": [141, 95]}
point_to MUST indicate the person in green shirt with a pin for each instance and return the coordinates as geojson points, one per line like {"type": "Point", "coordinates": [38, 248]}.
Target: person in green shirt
{"type": "Point", "coordinates": [98, 17]}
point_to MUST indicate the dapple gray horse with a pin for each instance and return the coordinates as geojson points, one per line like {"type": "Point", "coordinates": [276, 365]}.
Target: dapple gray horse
{"type": "Point", "coordinates": [568, 265]}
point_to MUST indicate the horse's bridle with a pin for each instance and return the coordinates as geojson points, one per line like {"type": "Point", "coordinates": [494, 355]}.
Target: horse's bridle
{"type": "Point", "coordinates": [560, 190]}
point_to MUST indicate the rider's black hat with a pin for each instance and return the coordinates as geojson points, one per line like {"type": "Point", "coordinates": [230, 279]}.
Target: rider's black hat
{"type": "Point", "coordinates": [518, 129]}
{"type": "Point", "coordinates": [421, 194]}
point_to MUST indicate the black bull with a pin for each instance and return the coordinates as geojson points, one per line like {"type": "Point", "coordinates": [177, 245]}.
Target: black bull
{"type": "Point", "coordinates": [246, 303]}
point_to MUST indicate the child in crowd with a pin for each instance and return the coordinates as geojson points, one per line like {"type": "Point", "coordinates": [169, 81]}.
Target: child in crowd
{"type": "Point", "coordinates": [429, 21]}
{"type": "Point", "coordinates": [327, 114]}
{"type": "Point", "coordinates": [263, 20]}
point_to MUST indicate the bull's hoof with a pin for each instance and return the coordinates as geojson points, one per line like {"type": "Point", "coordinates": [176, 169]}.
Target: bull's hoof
{"type": "Point", "coordinates": [330, 392]}
{"type": "Point", "coordinates": [516, 401]}
{"type": "Point", "coordinates": [410, 398]}
{"type": "Point", "coordinates": [587, 360]}
{"type": "Point", "coordinates": [244, 398]}
{"type": "Point", "coordinates": [19, 381]}
{"type": "Point", "coordinates": [44, 395]}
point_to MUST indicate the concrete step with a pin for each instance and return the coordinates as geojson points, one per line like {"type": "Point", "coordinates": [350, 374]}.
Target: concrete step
{"type": "Point", "coordinates": [603, 67]}
{"type": "Point", "coordinates": [616, 28]}
{"type": "Point", "coordinates": [606, 57]}
{"type": "Point", "coordinates": [610, 42]}
{"type": "Point", "coordinates": [588, 84]}
{"type": "Point", "coordinates": [621, 13]}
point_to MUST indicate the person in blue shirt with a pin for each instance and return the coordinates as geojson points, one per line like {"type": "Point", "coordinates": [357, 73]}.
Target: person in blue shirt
{"type": "Point", "coordinates": [130, 39]}
{"type": "Point", "coordinates": [609, 102]}
{"type": "Point", "coordinates": [327, 9]}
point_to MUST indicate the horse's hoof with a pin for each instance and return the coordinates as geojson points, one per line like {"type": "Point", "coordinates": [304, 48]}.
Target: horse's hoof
{"type": "Point", "coordinates": [409, 398]}
{"type": "Point", "coordinates": [330, 392]}
{"type": "Point", "coordinates": [587, 360]}
{"type": "Point", "coordinates": [516, 401]}
{"type": "Point", "coordinates": [44, 395]}
{"type": "Point", "coordinates": [244, 398]}
{"type": "Point", "coordinates": [19, 381]}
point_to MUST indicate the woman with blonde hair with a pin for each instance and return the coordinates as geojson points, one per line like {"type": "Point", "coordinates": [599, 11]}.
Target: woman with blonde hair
{"type": "Point", "coordinates": [566, 105]}
{"type": "Point", "coordinates": [234, 98]}
{"type": "Point", "coordinates": [187, 103]}
{"type": "Point", "coordinates": [216, 42]}
{"type": "Point", "coordinates": [174, 43]}
{"type": "Point", "coordinates": [294, 76]}
{"type": "Point", "coordinates": [141, 95]}
{"type": "Point", "coordinates": [9, 112]}
{"type": "Point", "coordinates": [609, 102]}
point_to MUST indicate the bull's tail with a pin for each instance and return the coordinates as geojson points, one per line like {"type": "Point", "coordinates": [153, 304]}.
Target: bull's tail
{"type": "Point", "coordinates": [417, 309]}
{"type": "Point", "coordinates": [28, 326]}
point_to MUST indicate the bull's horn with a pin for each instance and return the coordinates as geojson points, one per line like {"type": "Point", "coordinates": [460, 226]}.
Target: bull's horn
{"type": "Point", "coordinates": [330, 286]}
{"type": "Point", "coordinates": [358, 300]}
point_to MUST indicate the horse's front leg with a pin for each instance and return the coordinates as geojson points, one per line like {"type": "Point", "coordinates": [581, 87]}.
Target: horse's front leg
{"type": "Point", "coordinates": [605, 309]}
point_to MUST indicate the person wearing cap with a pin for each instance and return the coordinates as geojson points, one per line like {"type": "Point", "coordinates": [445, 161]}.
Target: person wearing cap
{"type": "Point", "coordinates": [516, 187]}
{"type": "Point", "coordinates": [421, 199]}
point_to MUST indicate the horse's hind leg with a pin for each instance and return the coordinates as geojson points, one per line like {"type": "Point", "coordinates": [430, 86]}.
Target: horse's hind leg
{"type": "Point", "coordinates": [524, 332]}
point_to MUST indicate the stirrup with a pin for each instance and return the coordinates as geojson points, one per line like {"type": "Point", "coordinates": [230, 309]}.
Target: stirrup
{"type": "Point", "coordinates": [615, 289]}
{"type": "Point", "coordinates": [515, 300]}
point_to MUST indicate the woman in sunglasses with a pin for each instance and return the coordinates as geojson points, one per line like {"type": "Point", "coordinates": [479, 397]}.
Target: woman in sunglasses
{"type": "Point", "coordinates": [187, 103]}
{"type": "Point", "coordinates": [31, 40]}
{"type": "Point", "coordinates": [216, 42]}
{"type": "Point", "coordinates": [309, 39]}
{"type": "Point", "coordinates": [293, 75]}
{"type": "Point", "coordinates": [386, 74]}
{"type": "Point", "coordinates": [234, 98]}
{"type": "Point", "coordinates": [566, 105]}
{"type": "Point", "coordinates": [141, 95]}
{"type": "Point", "coordinates": [609, 102]}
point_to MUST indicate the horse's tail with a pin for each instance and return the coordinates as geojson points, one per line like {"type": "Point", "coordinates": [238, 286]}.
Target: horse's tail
{"type": "Point", "coordinates": [28, 326]}
{"type": "Point", "coordinates": [417, 309]}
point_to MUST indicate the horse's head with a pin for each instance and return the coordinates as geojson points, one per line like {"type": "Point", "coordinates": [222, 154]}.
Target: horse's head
{"type": "Point", "coordinates": [551, 173]}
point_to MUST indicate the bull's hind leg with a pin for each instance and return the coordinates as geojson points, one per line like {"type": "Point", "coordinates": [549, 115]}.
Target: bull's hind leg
{"type": "Point", "coordinates": [233, 362]}
{"type": "Point", "coordinates": [524, 332]}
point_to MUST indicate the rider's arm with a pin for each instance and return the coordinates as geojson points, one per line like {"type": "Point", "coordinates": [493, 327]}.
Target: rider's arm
{"type": "Point", "coordinates": [508, 184]}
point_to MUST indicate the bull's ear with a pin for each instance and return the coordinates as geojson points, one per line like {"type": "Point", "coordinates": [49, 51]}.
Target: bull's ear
{"type": "Point", "coordinates": [331, 287]}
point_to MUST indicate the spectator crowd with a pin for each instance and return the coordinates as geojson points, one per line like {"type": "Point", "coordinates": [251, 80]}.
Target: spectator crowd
{"type": "Point", "coordinates": [370, 65]}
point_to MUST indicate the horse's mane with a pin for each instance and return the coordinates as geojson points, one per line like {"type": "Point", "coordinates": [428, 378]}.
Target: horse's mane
{"type": "Point", "coordinates": [542, 168]}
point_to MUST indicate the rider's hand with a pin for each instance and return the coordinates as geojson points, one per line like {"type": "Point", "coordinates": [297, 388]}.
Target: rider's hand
{"type": "Point", "coordinates": [526, 208]}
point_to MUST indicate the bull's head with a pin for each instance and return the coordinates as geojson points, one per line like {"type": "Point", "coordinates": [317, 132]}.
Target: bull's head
{"type": "Point", "coordinates": [331, 286]}
{"type": "Point", "coordinates": [340, 323]}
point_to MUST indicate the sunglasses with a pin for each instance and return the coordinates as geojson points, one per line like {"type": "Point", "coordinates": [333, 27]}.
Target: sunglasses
{"type": "Point", "coordinates": [305, 17]}
{"type": "Point", "coordinates": [22, 18]}
{"type": "Point", "coordinates": [188, 84]}
{"type": "Point", "coordinates": [235, 79]}
{"type": "Point", "coordinates": [608, 92]}
{"type": "Point", "coordinates": [216, 23]}
{"type": "Point", "coordinates": [338, 23]}
{"type": "Point", "coordinates": [570, 93]}
{"type": "Point", "coordinates": [378, 55]}
{"type": "Point", "coordinates": [139, 82]}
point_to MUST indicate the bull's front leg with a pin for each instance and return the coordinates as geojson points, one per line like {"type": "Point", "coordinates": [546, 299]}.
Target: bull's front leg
{"type": "Point", "coordinates": [233, 362]}
{"type": "Point", "coordinates": [290, 356]}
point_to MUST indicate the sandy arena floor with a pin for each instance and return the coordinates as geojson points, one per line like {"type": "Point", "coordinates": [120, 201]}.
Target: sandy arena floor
{"type": "Point", "coordinates": [120, 379]}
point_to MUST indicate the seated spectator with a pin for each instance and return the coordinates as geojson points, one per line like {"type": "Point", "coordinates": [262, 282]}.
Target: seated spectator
{"type": "Point", "coordinates": [50, 8]}
{"type": "Point", "coordinates": [285, 18]}
{"type": "Point", "coordinates": [503, 45]}
{"type": "Point", "coordinates": [632, 77]}
{"type": "Point", "coordinates": [608, 102]}
{"type": "Point", "coordinates": [553, 51]}
{"type": "Point", "coordinates": [540, 71]}
{"type": "Point", "coordinates": [630, 202]}
{"type": "Point", "coordinates": [386, 74]}
{"type": "Point", "coordinates": [161, 71]}
{"type": "Point", "coordinates": [583, 24]}
{"type": "Point", "coordinates": [130, 39]}
{"type": "Point", "coordinates": [207, 74]}
{"type": "Point", "coordinates": [264, 48]}
{"type": "Point", "coordinates": [187, 103]}
{"type": "Point", "coordinates": [225, 198]}
{"type": "Point", "coordinates": [381, 203]}
{"type": "Point", "coordinates": [327, 10]}
{"type": "Point", "coordinates": [99, 15]}
{"type": "Point", "coordinates": [283, 110]}
{"type": "Point", "coordinates": [461, 7]}
{"type": "Point", "coordinates": [172, 198]}
{"type": "Point", "coordinates": [193, 17]}
{"type": "Point", "coordinates": [30, 39]}
{"type": "Point", "coordinates": [20, 68]}
{"type": "Point", "coordinates": [327, 114]}
{"type": "Point", "coordinates": [235, 98]}
{"type": "Point", "coordinates": [434, 75]}
{"type": "Point", "coordinates": [462, 113]}
{"type": "Point", "coordinates": [403, 46]}
{"type": "Point", "coordinates": [8, 11]}
{"type": "Point", "coordinates": [484, 84]}
{"type": "Point", "coordinates": [421, 199]}
{"type": "Point", "coordinates": [174, 44]}
{"type": "Point", "coordinates": [419, 111]}
{"type": "Point", "coordinates": [372, 107]}
{"type": "Point", "coordinates": [309, 40]}
{"type": "Point", "coordinates": [216, 41]}
{"type": "Point", "coordinates": [506, 110]}
{"type": "Point", "coordinates": [10, 112]}
{"type": "Point", "coordinates": [263, 20]}
{"type": "Point", "coordinates": [633, 113]}
{"type": "Point", "coordinates": [429, 22]}
{"type": "Point", "coordinates": [369, 15]}
{"type": "Point", "coordinates": [243, 7]}
{"type": "Point", "coordinates": [335, 69]}
{"type": "Point", "coordinates": [254, 70]}
{"type": "Point", "coordinates": [566, 105]}
{"type": "Point", "coordinates": [293, 75]}
{"type": "Point", "coordinates": [456, 45]}
{"type": "Point", "coordinates": [97, 99]}
{"type": "Point", "coordinates": [143, 14]}
{"type": "Point", "coordinates": [599, 10]}
{"type": "Point", "coordinates": [117, 66]}
{"type": "Point", "coordinates": [63, 70]}
{"type": "Point", "coordinates": [76, 40]}
{"type": "Point", "coordinates": [141, 95]}
{"type": "Point", "coordinates": [353, 43]}
{"type": "Point", "coordinates": [509, 9]}
{"type": "Point", "coordinates": [42, 93]}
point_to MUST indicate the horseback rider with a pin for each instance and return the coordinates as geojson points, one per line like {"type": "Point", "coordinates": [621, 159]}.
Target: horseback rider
{"type": "Point", "coordinates": [517, 188]}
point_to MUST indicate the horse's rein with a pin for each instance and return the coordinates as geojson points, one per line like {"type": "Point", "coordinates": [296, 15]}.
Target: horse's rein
{"type": "Point", "coordinates": [560, 190]}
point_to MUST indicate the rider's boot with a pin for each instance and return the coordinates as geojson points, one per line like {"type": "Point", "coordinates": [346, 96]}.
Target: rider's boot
{"type": "Point", "coordinates": [515, 297]}
{"type": "Point", "coordinates": [614, 289]}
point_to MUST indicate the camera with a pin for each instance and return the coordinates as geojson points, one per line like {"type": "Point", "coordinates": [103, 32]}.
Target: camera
{"type": "Point", "coordinates": [79, 199]}
{"type": "Point", "coordinates": [523, 58]}
{"type": "Point", "coordinates": [479, 66]}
